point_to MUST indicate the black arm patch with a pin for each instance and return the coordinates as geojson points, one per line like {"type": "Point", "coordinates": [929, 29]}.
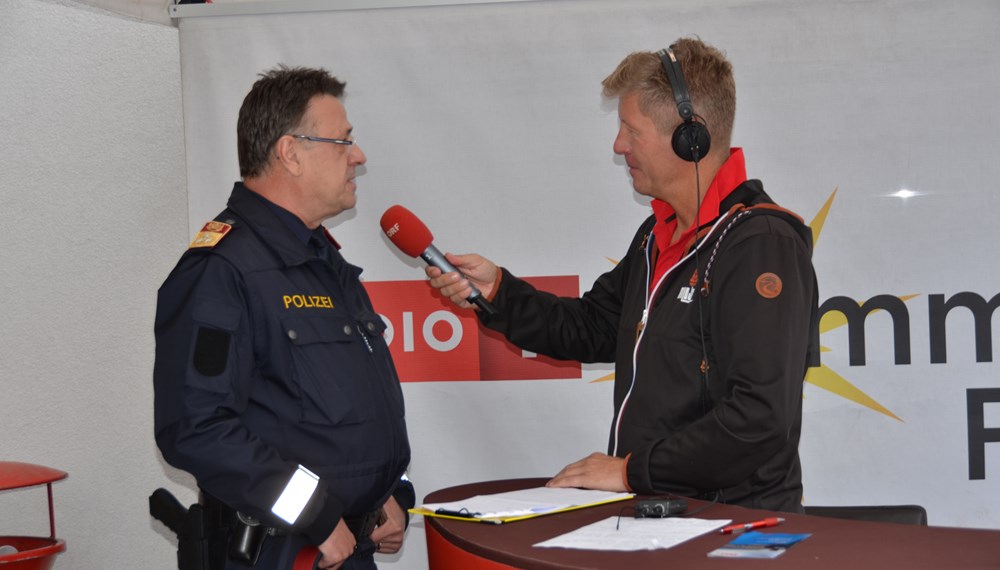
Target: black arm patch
{"type": "Point", "coordinates": [211, 351]}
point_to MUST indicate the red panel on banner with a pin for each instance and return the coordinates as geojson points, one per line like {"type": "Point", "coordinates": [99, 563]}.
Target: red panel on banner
{"type": "Point", "coordinates": [430, 340]}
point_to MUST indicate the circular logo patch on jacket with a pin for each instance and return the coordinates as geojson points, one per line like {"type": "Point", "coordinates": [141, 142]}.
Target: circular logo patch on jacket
{"type": "Point", "coordinates": [768, 285]}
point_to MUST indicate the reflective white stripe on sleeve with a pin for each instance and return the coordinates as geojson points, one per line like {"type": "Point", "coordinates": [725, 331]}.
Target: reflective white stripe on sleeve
{"type": "Point", "coordinates": [296, 495]}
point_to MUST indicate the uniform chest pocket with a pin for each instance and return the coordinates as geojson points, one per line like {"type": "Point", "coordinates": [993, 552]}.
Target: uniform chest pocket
{"type": "Point", "coordinates": [331, 367]}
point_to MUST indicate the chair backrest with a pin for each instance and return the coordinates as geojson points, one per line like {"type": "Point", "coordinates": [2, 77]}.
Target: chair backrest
{"type": "Point", "coordinates": [902, 514]}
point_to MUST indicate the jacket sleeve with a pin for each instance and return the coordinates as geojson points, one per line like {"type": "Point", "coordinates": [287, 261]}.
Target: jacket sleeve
{"type": "Point", "coordinates": [583, 329]}
{"type": "Point", "coordinates": [202, 375]}
{"type": "Point", "coordinates": [762, 299]}
{"type": "Point", "coordinates": [559, 327]}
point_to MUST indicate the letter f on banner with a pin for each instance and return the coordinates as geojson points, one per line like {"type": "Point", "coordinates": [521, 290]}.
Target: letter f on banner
{"type": "Point", "coordinates": [979, 434]}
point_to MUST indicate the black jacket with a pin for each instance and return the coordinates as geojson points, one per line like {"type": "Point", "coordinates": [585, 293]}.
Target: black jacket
{"type": "Point", "coordinates": [731, 432]}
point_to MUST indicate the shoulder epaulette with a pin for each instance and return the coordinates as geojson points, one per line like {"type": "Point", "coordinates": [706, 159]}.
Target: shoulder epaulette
{"type": "Point", "coordinates": [210, 235]}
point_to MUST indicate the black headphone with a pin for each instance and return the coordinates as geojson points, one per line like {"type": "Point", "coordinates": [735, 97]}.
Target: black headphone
{"type": "Point", "coordinates": [691, 140]}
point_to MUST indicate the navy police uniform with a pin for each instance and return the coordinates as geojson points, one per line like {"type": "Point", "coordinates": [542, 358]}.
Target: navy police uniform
{"type": "Point", "coordinates": [269, 355]}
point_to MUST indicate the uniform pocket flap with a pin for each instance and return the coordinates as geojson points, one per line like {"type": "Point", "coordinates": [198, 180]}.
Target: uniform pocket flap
{"type": "Point", "coordinates": [326, 329]}
{"type": "Point", "coordinates": [373, 324]}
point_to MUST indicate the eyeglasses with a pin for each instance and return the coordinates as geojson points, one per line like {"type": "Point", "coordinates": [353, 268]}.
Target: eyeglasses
{"type": "Point", "coordinates": [321, 139]}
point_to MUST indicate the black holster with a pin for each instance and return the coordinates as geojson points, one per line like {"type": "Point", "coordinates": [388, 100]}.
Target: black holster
{"type": "Point", "coordinates": [201, 534]}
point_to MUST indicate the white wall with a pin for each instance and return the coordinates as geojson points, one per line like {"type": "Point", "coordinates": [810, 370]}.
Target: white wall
{"type": "Point", "coordinates": [94, 214]}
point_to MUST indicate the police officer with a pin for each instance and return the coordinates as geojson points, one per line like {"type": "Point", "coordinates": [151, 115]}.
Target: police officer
{"type": "Point", "coordinates": [274, 386]}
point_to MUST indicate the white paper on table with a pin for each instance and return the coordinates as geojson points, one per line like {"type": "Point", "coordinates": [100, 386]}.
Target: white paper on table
{"type": "Point", "coordinates": [527, 501]}
{"type": "Point", "coordinates": [634, 534]}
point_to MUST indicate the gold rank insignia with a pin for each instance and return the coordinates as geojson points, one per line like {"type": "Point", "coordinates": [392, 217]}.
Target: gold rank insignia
{"type": "Point", "coordinates": [210, 235]}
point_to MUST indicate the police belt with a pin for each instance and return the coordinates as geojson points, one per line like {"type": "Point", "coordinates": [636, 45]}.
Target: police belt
{"type": "Point", "coordinates": [360, 526]}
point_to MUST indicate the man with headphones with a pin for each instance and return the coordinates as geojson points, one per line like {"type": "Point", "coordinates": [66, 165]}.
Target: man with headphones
{"type": "Point", "coordinates": [711, 317]}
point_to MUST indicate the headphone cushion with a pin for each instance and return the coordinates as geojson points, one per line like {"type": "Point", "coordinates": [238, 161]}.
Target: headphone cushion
{"type": "Point", "coordinates": [690, 138]}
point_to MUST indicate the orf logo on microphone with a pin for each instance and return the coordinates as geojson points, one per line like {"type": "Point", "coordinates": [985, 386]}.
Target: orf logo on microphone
{"type": "Point", "coordinates": [391, 231]}
{"type": "Point", "coordinates": [431, 340]}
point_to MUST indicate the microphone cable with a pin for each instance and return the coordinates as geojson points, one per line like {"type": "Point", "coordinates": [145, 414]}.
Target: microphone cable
{"type": "Point", "coordinates": [703, 367]}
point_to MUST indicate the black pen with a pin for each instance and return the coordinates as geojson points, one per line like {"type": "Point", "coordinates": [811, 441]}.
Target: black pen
{"type": "Point", "coordinates": [462, 513]}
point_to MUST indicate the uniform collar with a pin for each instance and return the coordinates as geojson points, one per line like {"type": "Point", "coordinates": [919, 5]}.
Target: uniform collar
{"type": "Point", "coordinates": [280, 229]}
{"type": "Point", "coordinates": [298, 229]}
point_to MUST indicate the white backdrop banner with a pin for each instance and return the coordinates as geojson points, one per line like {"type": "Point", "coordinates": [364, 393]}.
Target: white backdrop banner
{"type": "Point", "coordinates": [487, 122]}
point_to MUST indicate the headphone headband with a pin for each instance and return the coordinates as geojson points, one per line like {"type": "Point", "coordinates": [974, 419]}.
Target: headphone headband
{"type": "Point", "coordinates": [676, 78]}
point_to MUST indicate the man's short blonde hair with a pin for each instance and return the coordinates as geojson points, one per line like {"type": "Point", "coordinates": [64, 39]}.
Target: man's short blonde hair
{"type": "Point", "coordinates": [709, 78]}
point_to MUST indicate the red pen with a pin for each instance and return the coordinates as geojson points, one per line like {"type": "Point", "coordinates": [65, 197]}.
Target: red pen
{"type": "Point", "coordinates": [738, 528]}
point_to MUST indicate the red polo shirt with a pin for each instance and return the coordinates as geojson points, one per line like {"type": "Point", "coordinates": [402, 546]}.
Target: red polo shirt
{"type": "Point", "coordinates": [732, 174]}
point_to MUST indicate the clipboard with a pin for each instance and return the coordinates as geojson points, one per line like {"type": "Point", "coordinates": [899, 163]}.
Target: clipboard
{"type": "Point", "coordinates": [534, 503]}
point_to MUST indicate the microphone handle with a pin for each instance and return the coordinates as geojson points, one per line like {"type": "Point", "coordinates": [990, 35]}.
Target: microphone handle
{"type": "Point", "coordinates": [484, 305]}
{"type": "Point", "coordinates": [434, 257]}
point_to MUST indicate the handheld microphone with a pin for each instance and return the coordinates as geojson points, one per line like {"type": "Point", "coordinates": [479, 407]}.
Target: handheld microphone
{"type": "Point", "coordinates": [411, 236]}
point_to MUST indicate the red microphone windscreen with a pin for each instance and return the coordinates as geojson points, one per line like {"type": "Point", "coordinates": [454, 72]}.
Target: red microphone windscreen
{"type": "Point", "coordinates": [406, 230]}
